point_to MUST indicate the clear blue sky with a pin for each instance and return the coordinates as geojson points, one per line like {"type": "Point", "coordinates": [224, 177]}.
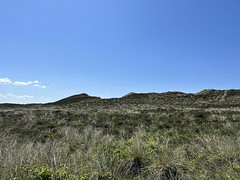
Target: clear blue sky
{"type": "Point", "coordinates": [50, 49]}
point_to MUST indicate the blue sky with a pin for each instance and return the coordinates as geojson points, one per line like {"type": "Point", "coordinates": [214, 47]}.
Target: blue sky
{"type": "Point", "coordinates": [51, 49]}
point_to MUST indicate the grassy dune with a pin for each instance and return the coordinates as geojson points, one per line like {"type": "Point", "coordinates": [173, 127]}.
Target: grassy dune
{"type": "Point", "coordinates": [136, 137]}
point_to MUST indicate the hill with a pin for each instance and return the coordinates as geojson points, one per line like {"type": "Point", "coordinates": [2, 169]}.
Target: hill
{"type": "Point", "coordinates": [77, 98]}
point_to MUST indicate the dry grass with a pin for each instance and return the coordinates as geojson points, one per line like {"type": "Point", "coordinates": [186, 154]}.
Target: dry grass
{"type": "Point", "coordinates": [90, 154]}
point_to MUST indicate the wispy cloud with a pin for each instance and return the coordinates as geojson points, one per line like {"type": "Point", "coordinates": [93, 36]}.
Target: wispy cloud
{"type": "Point", "coordinates": [5, 96]}
{"type": "Point", "coordinates": [5, 81]}
{"type": "Point", "coordinates": [35, 83]}
{"type": "Point", "coordinates": [38, 85]}
{"type": "Point", "coordinates": [19, 83]}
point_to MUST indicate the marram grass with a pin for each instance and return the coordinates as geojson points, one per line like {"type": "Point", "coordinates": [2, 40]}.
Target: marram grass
{"type": "Point", "coordinates": [91, 154]}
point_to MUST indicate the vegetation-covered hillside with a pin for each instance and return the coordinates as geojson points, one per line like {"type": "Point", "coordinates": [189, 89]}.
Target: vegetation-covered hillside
{"type": "Point", "coordinates": [170, 135]}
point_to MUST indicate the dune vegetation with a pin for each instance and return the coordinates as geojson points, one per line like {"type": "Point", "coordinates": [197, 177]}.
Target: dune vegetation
{"type": "Point", "coordinates": [140, 136]}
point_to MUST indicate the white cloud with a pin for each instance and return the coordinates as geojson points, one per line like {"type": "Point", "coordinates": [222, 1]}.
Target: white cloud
{"type": "Point", "coordinates": [21, 83]}
{"type": "Point", "coordinates": [38, 85]}
{"type": "Point", "coordinates": [25, 97]}
{"type": "Point", "coordinates": [35, 83]}
{"type": "Point", "coordinates": [10, 95]}
{"type": "Point", "coordinates": [16, 96]}
{"type": "Point", "coordinates": [5, 81]}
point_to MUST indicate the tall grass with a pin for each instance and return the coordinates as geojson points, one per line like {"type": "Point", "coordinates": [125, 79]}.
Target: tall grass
{"type": "Point", "coordinates": [91, 154]}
